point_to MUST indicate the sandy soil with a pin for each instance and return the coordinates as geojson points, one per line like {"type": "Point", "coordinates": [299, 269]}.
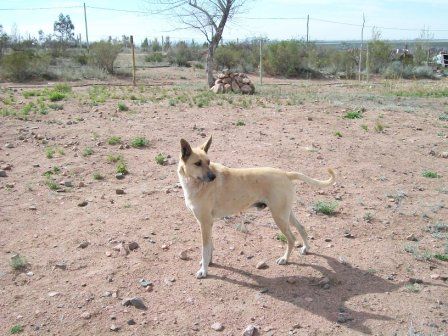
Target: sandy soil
{"type": "Point", "coordinates": [357, 278]}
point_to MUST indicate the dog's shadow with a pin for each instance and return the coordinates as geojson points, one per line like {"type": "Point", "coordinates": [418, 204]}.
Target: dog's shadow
{"type": "Point", "coordinates": [305, 292]}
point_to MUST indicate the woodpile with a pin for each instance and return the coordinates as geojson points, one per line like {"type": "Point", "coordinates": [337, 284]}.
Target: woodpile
{"type": "Point", "coordinates": [233, 82]}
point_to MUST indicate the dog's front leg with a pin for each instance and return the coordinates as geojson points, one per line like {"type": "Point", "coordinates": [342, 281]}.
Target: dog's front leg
{"type": "Point", "coordinates": [206, 222]}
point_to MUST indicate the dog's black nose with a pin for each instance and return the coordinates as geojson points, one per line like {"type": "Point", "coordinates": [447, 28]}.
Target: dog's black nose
{"type": "Point", "coordinates": [211, 176]}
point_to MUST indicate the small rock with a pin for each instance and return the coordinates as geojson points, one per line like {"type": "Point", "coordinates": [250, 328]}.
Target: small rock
{"type": "Point", "coordinates": [326, 286]}
{"type": "Point", "coordinates": [183, 255]}
{"type": "Point", "coordinates": [83, 203]}
{"type": "Point", "coordinates": [135, 302]}
{"type": "Point", "coordinates": [86, 315]}
{"type": "Point", "coordinates": [9, 145]}
{"type": "Point", "coordinates": [415, 281]}
{"type": "Point", "coordinates": [3, 173]}
{"type": "Point", "coordinates": [32, 207]}
{"type": "Point", "coordinates": [131, 322]}
{"type": "Point", "coordinates": [435, 276]}
{"type": "Point", "coordinates": [67, 183]}
{"type": "Point", "coordinates": [348, 235]}
{"type": "Point", "coordinates": [122, 248]}
{"type": "Point", "coordinates": [83, 244]}
{"type": "Point", "coordinates": [36, 165]}
{"type": "Point", "coordinates": [9, 185]}
{"type": "Point", "coordinates": [324, 281]}
{"type": "Point", "coordinates": [262, 265]}
{"type": "Point", "coordinates": [119, 191]}
{"type": "Point", "coordinates": [411, 237]}
{"type": "Point", "coordinates": [308, 299]}
{"type": "Point", "coordinates": [250, 330]}
{"type": "Point", "coordinates": [114, 327]}
{"type": "Point", "coordinates": [119, 176]}
{"type": "Point", "coordinates": [81, 184]}
{"type": "Point", "coordinates": [31, 273]}
{"type": "Point", "coordinates": [328, 240]}
{"type": "Point", "coordinates": [6, 167]}
{"type": "Point", "coordinates": [61, 265]}
{"type": "Point", "coordinates": [165, 247]}
{"type": "Point", "coordinates": [53, 294]}
{"type": "Point", "coordinates": [133, 246]}
{"type": "Point", "coordinates": [145, 283]}
{"type": "Point", "coordinates": [217, 326]}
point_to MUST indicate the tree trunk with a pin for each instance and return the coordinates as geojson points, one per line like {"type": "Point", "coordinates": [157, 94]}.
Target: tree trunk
{"type": "Point", "coordinates": [210, 63]}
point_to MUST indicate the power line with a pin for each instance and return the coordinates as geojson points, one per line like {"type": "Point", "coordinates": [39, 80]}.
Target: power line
{"type": "Point", "coordinates": [118, 10]}
{"type": "Point", "coordinates": [38, 8]}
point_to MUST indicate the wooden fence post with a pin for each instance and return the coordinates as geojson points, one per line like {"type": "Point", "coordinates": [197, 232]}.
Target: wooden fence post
{"type": "Point", "coordinates": [133, 60]}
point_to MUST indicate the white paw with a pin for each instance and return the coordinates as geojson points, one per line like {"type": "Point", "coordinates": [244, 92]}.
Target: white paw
{"type": "Point", "coordinates": [201, 274]}
{"type": "Point", "coordinates": [304, 250]}
{"type": "Point", "coordinates": [282, 261]}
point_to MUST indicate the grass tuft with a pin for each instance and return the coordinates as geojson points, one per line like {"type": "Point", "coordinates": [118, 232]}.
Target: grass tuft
{"type": "Point", "coordinates": [139, 142]}
{"type": "Point", "coordinates": [326, 207]}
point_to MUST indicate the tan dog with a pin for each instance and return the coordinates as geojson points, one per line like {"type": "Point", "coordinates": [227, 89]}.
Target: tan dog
{"type": "Point", "coordinates": [213, 191]}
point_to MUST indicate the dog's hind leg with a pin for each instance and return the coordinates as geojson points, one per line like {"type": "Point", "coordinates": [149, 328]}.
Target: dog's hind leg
{"type": "Point", "coordinates": [303, 234]}
{"type": "Point", "coordinates": [283, 224]}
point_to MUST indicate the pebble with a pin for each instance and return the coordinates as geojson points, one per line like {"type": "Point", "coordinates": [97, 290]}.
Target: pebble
{"type": "Point", "coordinates": [250, 330]}
{"type": "Point", "coordinates": [133, 246]}
{"type": "Point", "coordinates": [217, 326]}
{"type": "Point", "coordinates": [348, 235]}
{"type": "Point", "coordinates": [53, 294]}
{"type": "Point", "coordinates": [83, 203]}
{"type": "Point", "coordinates": [6, 167]}
{"type": "Point", "coordinates": [9, 145]}
{"type": "Point", "coordinates": [81, 184]}
{"type": "Point", "coordinates": [411, 237]}
{"type": "Point", "coordinates": [262, 265]}
{"type": "Point", "coordinates": [145, 283]}
{"type": "Point", "coordinates": [122, 248]}
{"type": "Point", "coordinates": [119, 176]}
{"type": "Point", "coordinates": [3, 173]}
{"type": "Point", "coordinates": [435, 276]}
{"type": "Point", "coordinates": [135, 302]}
{"type": "Point", "coordinates": [183, 255]}
{"type": "Point", "coordinates": [114, 327]}
{"type": "Point", "coordinates": [61, 265]}
{"type": "Point", "coordinates": [108, 254]}
{"type": "Point", "coordinates": [36, 165]}
{"type": "Point", "coordinates": [83, 244]}
{"type": "Point", "coordinates": [308, 299]}
{"type": "Point", "coordinates": [328, 240]}
{"type": "Point", "coordinates": [67, 183]}
{"type": "Point", "coordinates": [131, 322]}
{"type": "Point", "coordinates": [86, 315]}
{"type": "Point", "coordinates": [32, 207]}
{"type": "Point", "coordinates": [119, 191]}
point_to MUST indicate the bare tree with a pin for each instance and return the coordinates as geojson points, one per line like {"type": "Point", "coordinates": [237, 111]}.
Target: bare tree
{"type": "Point", "coordinates": [207, 16]}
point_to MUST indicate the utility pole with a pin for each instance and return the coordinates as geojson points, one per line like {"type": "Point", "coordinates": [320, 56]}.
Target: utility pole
{"type": "Point", "coordinates": [261, 65]}
{"type": "Point", "coordinates": [360, 49]}
{"type": "Point", "coordinates": [85, 22]}
{"type": "Point", "coordinates": [307, 27]}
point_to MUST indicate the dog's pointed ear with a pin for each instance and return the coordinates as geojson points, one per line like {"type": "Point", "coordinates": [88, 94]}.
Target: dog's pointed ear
{"type": "Point", "coordinates": [207, 144]}
{"type": "Point", "coordinates": [185, 149]}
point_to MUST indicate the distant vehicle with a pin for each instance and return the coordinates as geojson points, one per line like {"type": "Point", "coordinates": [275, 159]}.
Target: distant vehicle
{"type": "Point", "coordinates": [441, 59]}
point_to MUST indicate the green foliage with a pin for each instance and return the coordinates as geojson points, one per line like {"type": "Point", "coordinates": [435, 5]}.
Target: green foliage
{"type": "Point", "coordinates": [49, 152]}
{"type": "Point", "coordinates": [281, 237]}
{"type": "Point", "coordinates": [441, 257]}
{"type": "Point", "coordinates": [338, 134]}
{"type": "Point", "coordinates": [160, 159]}
{"type": "Point", "coordinates": [24, 65]}
{"type": "Point", "coordinates": [155, 57]}
{"type": "Point", "coordinates": [379, 55]}
{"type": "Point", "coordinates": [413, 288]}
{"type": "Point", "coordinates": [17, 329]}
{"type": "Point", "coordinates": [62, 87]}
{"type": "Point", "coordinates": [443, 117]}
{"type": "Point", "coordinates": [240, 123]}
{"type": "Point", "coordinates": [18, 262]}
{"type": "Point", "coordinates": [121, 167]}
{"type": "Point", "coordinates": [114, 140]}
{"type": "Point", "coordinates": [56, 107]}
{"type": "Point", "coordinates": [354, 114]}
{"type": "Point", "coordinates": [99, 94]}
{"type": "Point", "coordinates": [56, 96]}
{"type": "Point", "coordinates": [139, 142]}
{"type": "Point", "coordinates": [122, 107]}
{"type": "Point", "coordinates": [52, 184]}
{"type": "Point", "coordinates": [325, 207]}
{"type": "Point", "coordinates": [114, 158]}
{"type": "Point", "coordinates": [87, 151]}
{"type": "Point", "coordinates": [379, 127]}
{"type": "Point", "coordinates": [430, 174]}
{"type": "Point", "coordinates": [103, 54]}
{"type": "Point", "coordinates": [97, 176]}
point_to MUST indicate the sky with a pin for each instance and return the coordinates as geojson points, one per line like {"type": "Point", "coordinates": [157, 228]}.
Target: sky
{"type": "Point", "coordinates": [409, 18]}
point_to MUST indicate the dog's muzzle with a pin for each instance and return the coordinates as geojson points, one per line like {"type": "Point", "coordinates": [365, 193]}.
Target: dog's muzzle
{"type": "Point", "coordinates": [209, 177]}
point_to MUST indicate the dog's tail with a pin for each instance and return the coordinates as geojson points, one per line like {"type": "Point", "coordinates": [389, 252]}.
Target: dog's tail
{"type": "Point", "coordinates": [309, 180]}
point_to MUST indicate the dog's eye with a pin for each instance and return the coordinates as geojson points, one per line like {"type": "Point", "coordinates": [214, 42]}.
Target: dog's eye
{"type": "Point", "coordinates": [198, 163]}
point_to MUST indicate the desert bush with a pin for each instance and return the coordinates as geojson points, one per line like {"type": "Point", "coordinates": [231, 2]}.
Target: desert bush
{"type": "Point", "coordinates": [24, 65]}
{"type": "Point", "coordinates": [227, 57]}
{"type": "Point", "coordinates": [398, 70]}
{"type": "Point", "coordinates": [379, 55]}
{"type": "Point", "coordinates": [180, 55]}
{"type": "Point", "coordinates": [103, 54]}
{"type": "Point", "coordinates": [154, 57]}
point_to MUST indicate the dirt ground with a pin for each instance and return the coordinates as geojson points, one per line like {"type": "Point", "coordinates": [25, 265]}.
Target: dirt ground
{"type": "Point", "coordinates": [390, 222]}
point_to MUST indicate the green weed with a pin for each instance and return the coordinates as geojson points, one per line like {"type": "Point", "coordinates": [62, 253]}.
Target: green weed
{"type": "Point", "coordinates": [139, 142]}
{"type": "Point", "coordinates": [114, 140]}
{"type": "Point", "coordinates": [325, 207]}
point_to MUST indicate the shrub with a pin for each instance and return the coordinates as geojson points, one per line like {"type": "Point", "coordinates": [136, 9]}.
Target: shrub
{"type": "Point", "coordinates": [18, 262]}
{"type": "Point", "coordinates": [114, 140]}
{"type": "Point", "coordinates": [160, 159]}
{"type": "Point", "coordinates": [156, 57]}
{"type": "Point", "coordinates": [227, 57]}
{"type": "Point", "coordinates": [180, 55]}
{"type": "Point", "coordinates": [24, 65]}
{"type": "Point", "coordinates": [379, 55]}
{"type": "Point", "coordinates": [104, 54]}
{"type": "Point", "coordinates": [122, 107]}
{"type": "Point", "coordinates": [139, 142]}
{"type": "Point", "coordinates": [17, 329]}
{"type": "Point", "coordinates": [56, 96]}
{"type": "Point", "coordinates": [325, 207]}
